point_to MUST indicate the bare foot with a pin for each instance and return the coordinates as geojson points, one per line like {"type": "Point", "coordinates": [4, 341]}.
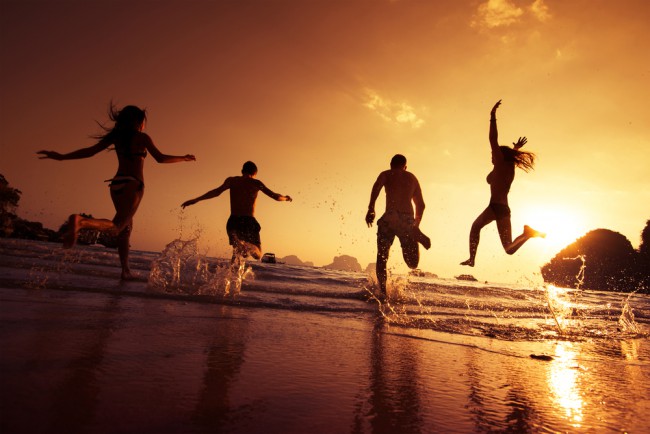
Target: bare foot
{"type": "Point", "coordinates": [469, 262]}
{"type": "Point", "coordinates": [70, 236]}
{"type": "Point", "coordinates": [423, 239]}
{"type": "Point", "coordinates": [127, 276]}
{"type": "Point", "coordinates": [532, 233]}
{"type": "Point", "coordinates": [255, 252]}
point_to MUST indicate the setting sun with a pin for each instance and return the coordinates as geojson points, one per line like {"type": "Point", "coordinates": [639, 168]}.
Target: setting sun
{"type": "Point", "coordinates": [561, 225]}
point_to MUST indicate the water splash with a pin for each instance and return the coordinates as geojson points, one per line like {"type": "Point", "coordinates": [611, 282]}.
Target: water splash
{"type": "Point", "coordinates": [560, 309]}
{"type": "Point", "coordinates": [388, 303]}
{"type": "Point", "coordinates": [180, 268]}
{"type": "Point", "coordinates": [626, 320]}
{"type": "Point", "coordinates": [580, 277]}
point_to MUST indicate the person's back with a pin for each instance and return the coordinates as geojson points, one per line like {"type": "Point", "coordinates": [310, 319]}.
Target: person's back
{"type": "Point", "coordinates": [131, 155]}
{"type": "Point", "coordinates": [243, 195]}
{"type": "Point", "coordinates": [401, 189]}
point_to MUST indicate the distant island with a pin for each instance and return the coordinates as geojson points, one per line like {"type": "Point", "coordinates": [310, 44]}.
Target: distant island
{"type": "Point", "coordinates": [344, 263]}
{"type": "Point", "coordinates": [294, 260]}
{"type": "Point", "coordinates": [602, 260]}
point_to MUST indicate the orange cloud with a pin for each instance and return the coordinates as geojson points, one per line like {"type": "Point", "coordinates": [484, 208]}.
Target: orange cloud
{"type": "Point", "coordinates": [501, 13]}
{"type": "Point", "coordinates": [540, 10]}
{"type": "Point", "coordinates": [400, 113]}
{"type": "Point", "coordinates": [497, 13]}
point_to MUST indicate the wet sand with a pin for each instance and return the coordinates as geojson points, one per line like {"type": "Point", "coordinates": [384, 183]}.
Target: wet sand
{"type": "Point", "coordinates": [76, 362]}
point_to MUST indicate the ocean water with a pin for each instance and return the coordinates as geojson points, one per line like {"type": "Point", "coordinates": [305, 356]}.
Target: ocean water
{"type": "Point", "coordinates": [198, 346]}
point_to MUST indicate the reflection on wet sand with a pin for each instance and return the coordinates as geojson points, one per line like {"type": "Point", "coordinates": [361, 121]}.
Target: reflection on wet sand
{"type": "Point", "coordinates": [563, 382]}
{"type": "Point", "coordinates": [393, 401]}
{"type": "Point", "coordinates": [67, 393]}
{"type": "Point", "coordinates": [225, 356]}
{"type": "Point", "coordinates": [495, 402]}
{"type": "Point", "coordinates": [75, 398]}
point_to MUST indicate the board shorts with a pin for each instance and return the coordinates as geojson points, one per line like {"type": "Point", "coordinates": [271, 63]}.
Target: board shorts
{"type": "Point", "coordinates": [396, 224]}
{"type": "Point", "coordinates": [500, 210]}
{"type": "Point", "coordinates": [243, 228]}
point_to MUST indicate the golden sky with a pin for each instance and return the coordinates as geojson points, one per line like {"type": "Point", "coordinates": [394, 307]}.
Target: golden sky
{"type": "Point", "coordinates": [320, 94]}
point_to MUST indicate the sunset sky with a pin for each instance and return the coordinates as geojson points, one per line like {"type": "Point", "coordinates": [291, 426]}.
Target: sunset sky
{"type": "Point", "coordinates": [320, 94]}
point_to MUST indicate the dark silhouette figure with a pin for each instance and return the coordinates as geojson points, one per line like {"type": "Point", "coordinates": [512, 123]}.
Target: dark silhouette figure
{"type": "Point", "coordinates": [402, 189]}
{"type": "Point", "coordinates": [127, 186]}
{"type": "Point", "coordinates": [242, 227]}
{"type": "Point", "coordinates": [505, 160]}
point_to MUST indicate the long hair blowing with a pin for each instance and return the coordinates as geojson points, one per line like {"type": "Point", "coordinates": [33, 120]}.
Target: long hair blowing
{"type": "Point", "coordinates": [522, 159]}
{"type": "Point", "coordinates": [125, 124]}
{"type": "Point", "coordinates": [125, 121]}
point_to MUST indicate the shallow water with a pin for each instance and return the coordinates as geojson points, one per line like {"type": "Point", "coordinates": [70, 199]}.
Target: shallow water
{"type": "Point", "coordinates": [307, 350]}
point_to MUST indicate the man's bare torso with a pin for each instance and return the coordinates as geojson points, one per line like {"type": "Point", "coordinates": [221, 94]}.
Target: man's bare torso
{"type": "Point", "coordinates": [243, 194]}
{"type": "Point", "coordinates": [401, 188]}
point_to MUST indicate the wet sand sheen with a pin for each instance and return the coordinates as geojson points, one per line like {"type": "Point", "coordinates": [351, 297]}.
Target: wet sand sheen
{"type": "Point", "coordinates": [87, 362]}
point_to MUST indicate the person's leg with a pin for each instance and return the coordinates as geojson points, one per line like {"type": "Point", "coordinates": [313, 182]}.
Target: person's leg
{"type": "Point", "coordinates": [246, 249]}
{"type": "Point", "coordinates": [77, 222]}
{"type": "Point", "coordinates": [505, 231]}
{"type": "Point", "coordinates": [423, 239]}
{"type": "Point", "coordinates": [513, 246]}
{"type": "Point", "coordinates": [123, 247]}
{"type": "Point", "coordinates": [384, 242]}
{"type": "Point", "coordinates": [486, 217]}
{"type": "Point", "coordinates": [410, 251]}
{"type": "Point", "coordinates": [126, 202]}
{"type": "Point", "coordinates": [244, 237]}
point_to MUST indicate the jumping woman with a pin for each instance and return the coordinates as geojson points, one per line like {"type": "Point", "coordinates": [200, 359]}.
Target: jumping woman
{"type": "Point", "coordinates": [127, 186]}
{"type": "Point", "coordinates": [505, 160]}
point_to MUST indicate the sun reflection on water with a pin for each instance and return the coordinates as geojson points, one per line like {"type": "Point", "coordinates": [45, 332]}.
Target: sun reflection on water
{"type": "Point", "coordinates": [563, 382]}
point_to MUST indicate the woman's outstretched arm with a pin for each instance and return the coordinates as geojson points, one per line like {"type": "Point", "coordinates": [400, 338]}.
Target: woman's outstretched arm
{"type": "Point", "coordinates": [75, 155]}
{"type": "Point", "coordinates": [159, 156]}
{"type": "Point", "coordinates": [494, 133]}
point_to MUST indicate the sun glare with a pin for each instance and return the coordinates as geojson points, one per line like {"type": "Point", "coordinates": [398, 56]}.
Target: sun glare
{"type": "Point", "coordinates": [562, 226]}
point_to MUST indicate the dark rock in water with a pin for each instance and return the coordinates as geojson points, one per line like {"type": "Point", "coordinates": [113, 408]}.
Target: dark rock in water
{"type": "Point", "coordinates": [467, 277]}
{"type": "Point", "coordinates": [541, 357]}
{"type": "Point", "coordinates": [610, 264]}
{"type": "Point", "coordinates": [344, 263]}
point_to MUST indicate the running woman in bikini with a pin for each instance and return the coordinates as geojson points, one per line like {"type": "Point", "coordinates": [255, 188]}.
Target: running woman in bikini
{"type": "Point", "coordinates": [505, 159]}
{"type": "Point", "coordinates": [127, 186]}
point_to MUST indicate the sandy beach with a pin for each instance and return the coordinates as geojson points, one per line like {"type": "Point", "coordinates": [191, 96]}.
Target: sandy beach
{"type": "Point", "coordinates": [124, 360]}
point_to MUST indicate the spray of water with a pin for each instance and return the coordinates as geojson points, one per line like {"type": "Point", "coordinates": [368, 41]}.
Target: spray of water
{"type": "Point", "coordinates": [560, 310]}
{"type": "Point", "coordinates": [180, 268]}
{"type": "Point", "coordinates": [626, 320]}
{"type": "Point", "coordinates": [388, 303]}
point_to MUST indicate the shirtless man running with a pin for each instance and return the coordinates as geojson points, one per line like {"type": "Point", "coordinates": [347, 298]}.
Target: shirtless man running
{"type": "Point", "coordinates": [402, 190]}
{"type": "Point", "coordinates": [242, 227]}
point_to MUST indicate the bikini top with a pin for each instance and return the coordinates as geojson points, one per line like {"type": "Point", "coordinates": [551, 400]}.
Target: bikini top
{"type": "Point", "coordinates": [125, 151]}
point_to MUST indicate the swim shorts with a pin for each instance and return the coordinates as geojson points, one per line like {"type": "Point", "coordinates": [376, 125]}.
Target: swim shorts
{"type": "Point", "coordinates": [500, 210]}
{"type": "Point", "coordinates": [243, 228]}
{"type": "Point", "coordinates": [398, 224]}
